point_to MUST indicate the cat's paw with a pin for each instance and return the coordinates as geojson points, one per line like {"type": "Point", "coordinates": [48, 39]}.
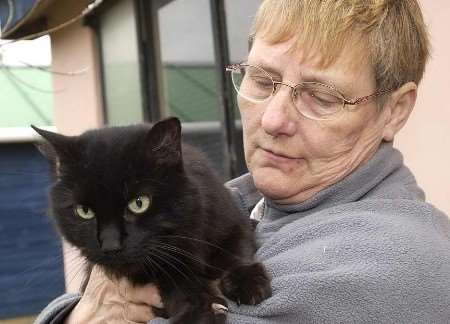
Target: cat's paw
{"type": "Point", "coordinates": [210, 310]}
{"type": "Point", "coordinates": [160, 312]}
{"type": "Point", "coordinates": [247, 284]}
{"type": "Point", "coordinates": [217, 312]}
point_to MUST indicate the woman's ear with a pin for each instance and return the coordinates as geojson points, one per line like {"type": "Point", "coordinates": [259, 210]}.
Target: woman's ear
{"type": "Point", "coordinates": [399, 106]}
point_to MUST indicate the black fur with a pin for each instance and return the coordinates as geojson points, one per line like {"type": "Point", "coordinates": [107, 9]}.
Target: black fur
{"type": "Point", "coordinates": [192, 235]}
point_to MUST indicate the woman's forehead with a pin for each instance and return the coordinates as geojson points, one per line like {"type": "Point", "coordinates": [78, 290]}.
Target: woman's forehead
{"type": "Point", "coordinates": [284, 59]}
{"type": "Point", "coordinates": [281, 53]}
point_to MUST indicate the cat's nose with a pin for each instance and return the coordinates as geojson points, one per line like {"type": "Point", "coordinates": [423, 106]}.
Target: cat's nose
{"type": "Point", "coordinates": [110, 245]}
{"type": "Point", "coordinates": [109, 239]}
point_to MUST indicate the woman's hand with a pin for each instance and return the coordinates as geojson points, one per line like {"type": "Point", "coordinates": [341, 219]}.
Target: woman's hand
{"type": "Point", "coordinates": [114, 302]}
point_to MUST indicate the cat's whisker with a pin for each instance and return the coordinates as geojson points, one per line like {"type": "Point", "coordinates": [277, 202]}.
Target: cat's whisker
{"type": "Point", "coordinates": [33, 275]}
{"type": "Point", "coordinates": [126, 192]}
{"type": "Point", "coordinates": [187, 254]}
{"type": "Point", "coordinates": [164, 272]}
{"type": "Point", "coordinates": [14, 173]}
{"type": "Point", "coordinates": [46, 261]}
{"type": "Point", "coordinates": [201, 241]}
{"type": "Point", "coordinates": [157, 253]}
{"type": "Point", "coordinates": [72, 255]}
{"type": "Point", "coordinates": [70, 260]}
{"type": "Point", "coordinates": [148, 270]}
{"type": "Point", "coordinates": [75, 271]}
{"type": "Point", "coordinates": [179, 262]}
{"type": "Point", "coordinates": [151, 181]}
{"type": "Point", "coordinates": [33, 271]}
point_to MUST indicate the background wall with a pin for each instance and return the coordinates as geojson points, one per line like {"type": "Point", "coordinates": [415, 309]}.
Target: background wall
{"type": "Point", "coordinates": [425, 140]}
{"type": "Point", "coordinates": [77, 99]}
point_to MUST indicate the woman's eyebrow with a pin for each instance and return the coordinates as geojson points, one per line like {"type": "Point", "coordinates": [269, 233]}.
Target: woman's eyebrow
{"type": "Point", "coordinates": [308, 76]}
{"type": "Point", "coordinates": [265, 67]}
{"type": "Point", "coordinates": [318, 79]}
{"type": "Point", "coordinates": [340, 86]}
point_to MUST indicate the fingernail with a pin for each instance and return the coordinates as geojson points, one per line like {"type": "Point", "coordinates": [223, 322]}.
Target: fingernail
{"type": "Point", "coordinates": [219, 309]}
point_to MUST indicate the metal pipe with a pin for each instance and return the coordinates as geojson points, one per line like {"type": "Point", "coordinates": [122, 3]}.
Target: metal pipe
{"type": "Point", "coordinates": [222, 59]}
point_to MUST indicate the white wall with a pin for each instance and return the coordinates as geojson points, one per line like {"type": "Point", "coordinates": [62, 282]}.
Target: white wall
{"type": "Point", "coordinates": [425, 140]}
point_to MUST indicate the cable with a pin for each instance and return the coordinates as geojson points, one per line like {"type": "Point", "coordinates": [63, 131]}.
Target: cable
{"type": "Point", "coordinates": [29, 85]}
{"type": "Point", "coordinates": [3, 53]}
{"type": "Point", "coordinates": [27, 98]}
{"type": "Point", "coordinates": [48, 70]}
{"type": "Point", "coordinates": [83, 14]}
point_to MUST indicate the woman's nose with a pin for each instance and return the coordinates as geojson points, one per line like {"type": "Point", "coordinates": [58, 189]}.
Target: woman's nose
{"type": "Point", "coordinates": [278, 118]}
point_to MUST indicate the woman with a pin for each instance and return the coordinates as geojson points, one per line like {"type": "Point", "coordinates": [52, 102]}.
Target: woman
{"type": "Point", "coordinates": [344, 229]}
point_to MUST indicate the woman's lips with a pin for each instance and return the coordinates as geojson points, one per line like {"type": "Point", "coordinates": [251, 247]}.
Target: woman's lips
{"type": "Point", "coordinates": [277, 157]}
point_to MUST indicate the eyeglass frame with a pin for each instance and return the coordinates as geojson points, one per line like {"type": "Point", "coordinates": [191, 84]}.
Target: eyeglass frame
{"type": "Point", "coordinates": [345, 101]}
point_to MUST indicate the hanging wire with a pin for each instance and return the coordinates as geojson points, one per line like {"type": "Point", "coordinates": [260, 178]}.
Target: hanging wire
{"type": "Point", "coordinates": [27, 98]}
{"type": "Point", "coordinates": [83, 14]}
{"type": "Point", "coordinates": [49, 70]}
{"type": "Point", "coordinates": [4, 53]}
{"type": "Point", "coordinates": [11, 74]}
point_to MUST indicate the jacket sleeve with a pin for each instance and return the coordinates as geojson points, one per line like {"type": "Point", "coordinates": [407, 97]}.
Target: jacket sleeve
{"type": "Point", "coordinates": [57, 311]}
{"type": "Point", "coordinates": [351, 265]}
{"type": "Point", "coordinates": [355, 267]}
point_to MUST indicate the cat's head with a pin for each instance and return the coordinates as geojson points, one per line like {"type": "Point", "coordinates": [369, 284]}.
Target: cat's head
{"type": "Point", "coordinates": [117, 190]}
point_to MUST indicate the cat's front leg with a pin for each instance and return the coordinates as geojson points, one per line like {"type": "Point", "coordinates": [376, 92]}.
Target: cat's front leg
{"type": "Point", "coordinates": [247, 284]}
{"type": "Point", "coordinates": [195, 307]}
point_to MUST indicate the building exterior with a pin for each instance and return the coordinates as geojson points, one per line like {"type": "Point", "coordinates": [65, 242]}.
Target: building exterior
{"type": "Point", "coordinates": [152, 58]}
{"type": "Point", "coordinates": [145, 60]}
{"type": "Point", "coordinates": [31, 266]}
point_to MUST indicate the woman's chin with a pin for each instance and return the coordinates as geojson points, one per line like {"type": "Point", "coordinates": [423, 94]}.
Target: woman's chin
{"type": "Point", "coordinates": [274, 184]}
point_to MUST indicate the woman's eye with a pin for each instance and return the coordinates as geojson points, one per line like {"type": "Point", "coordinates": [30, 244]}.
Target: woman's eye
{"type": "Point", "coordinates": [140, 204]}
{"type": "Point", "coordinates": [84, 212]}
{"type": "Point", "coordinates": [262, 81]}
{"type": "Point", "coordinates": [323, 99]}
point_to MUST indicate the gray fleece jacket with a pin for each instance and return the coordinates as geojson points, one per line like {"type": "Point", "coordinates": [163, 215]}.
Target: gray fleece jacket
{"type": "Point", "coordinates": [368, 249]}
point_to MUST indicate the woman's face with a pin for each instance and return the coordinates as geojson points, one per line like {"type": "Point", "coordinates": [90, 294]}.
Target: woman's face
{"type": "Point", "coordinates": [292, 157]}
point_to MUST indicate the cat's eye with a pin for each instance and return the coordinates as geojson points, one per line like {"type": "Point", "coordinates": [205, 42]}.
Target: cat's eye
{"type": "Point", "coordinates": [84, 212]}
{"type": "Point", "coordinates": [140, 204]}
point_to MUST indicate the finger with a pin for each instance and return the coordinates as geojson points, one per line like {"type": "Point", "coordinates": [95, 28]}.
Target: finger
{"type": "Point", "coordinates": [97, 283]}
{"type": "Point", "coordinates": [135, 313]}
{"type": "Point", "coordinates": [147, 294]}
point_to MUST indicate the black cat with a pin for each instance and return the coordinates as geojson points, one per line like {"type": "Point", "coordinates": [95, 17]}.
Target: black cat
{"type": "Point", "coordinates": [144, 206]}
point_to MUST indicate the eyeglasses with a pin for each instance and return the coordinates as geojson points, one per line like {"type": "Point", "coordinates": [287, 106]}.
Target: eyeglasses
{"type": "Point", "coordinates": [313, 100]}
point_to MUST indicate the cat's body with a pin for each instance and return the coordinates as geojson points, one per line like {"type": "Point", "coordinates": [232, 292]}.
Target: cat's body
{"type": "Point", "coordinates": [153, 211]}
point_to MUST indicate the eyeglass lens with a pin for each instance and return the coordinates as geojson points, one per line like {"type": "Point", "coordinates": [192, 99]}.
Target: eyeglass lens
{"type": "Point", "coordinates": [314, 100]}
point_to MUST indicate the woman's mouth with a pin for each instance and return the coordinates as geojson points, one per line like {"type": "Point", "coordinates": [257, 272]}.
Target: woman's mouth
{"type": "Point", "coordinates": [277, 157]}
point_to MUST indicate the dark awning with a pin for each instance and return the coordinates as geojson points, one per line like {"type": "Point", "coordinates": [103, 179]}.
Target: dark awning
{"type": "Point", "coordinates": [21, 17]}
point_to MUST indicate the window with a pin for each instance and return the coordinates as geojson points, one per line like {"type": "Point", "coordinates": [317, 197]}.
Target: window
{"type": "Point", "coordinates": [122, 87]}
{"type": "Point", "coordinates": [160, 59]}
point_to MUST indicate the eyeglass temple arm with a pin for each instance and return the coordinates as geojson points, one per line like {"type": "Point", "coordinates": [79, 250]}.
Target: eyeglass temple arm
{"type": "Point", "coordinates": [366, 98]}
{"type": "Point", "coordinates": [233, 67]}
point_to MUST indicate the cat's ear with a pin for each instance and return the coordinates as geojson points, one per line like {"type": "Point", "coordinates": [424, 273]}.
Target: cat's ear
{"type": "Point", "coordinates": [163, 142]}
{"type": "Point", "coordinates": [56, 147]}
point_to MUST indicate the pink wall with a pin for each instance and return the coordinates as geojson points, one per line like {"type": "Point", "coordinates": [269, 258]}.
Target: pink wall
{"type": "Point", "coordinates": [78, 104]}
{"type": "Point", "coordinates": [425, 140]}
